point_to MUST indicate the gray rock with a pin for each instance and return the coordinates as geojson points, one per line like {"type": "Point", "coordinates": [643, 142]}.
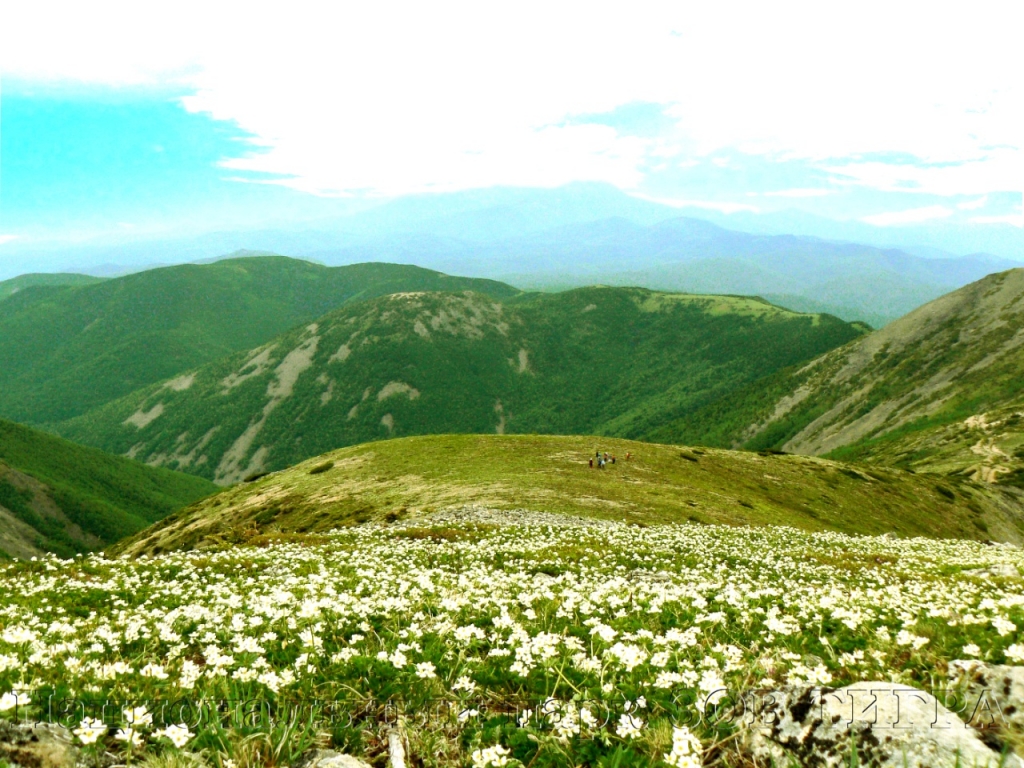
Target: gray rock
{"type": "Point", "coordinates": [892, 726]}
{"type": "Point", "coordinates": [36, 746]}
{"type": "Point", "coordinates": [992, 696]}
{"type": "Point", "coordinates": [326, 758]}
{"type": "Point", "coordinates": [999, 570]}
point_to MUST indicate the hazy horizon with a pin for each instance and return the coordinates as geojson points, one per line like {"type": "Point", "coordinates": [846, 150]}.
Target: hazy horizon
{"type": "Point", "coordinates": [121, 128]}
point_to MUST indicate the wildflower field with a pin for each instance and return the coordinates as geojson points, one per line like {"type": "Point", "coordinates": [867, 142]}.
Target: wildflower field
{"type": "Point", "coordinates": [490, 638]}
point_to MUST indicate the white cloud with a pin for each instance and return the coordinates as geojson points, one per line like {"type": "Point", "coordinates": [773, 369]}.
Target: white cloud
{"type": "Point", "coordinates": [7, 238]}
{"type": "Point", "coordinates": [1015, 219]}
{"type": "Point", "coordinates": [399, 97]}
{"type": "Point", "coordinates": [799, 193]}
{"type": "Point", "coordinates": [912, 216]}
{"type": "Point", "coordinates": [973, 205]}
{"type": "Point", "coordinates": [1000, 169]}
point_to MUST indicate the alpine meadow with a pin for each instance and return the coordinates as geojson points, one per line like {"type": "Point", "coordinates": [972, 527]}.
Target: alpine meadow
{"type": "Point", "coordinates": [507, 386]}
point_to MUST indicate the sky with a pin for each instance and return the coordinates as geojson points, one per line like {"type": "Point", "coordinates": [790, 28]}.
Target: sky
{"type": "Point", "coordinates": [147, 119]}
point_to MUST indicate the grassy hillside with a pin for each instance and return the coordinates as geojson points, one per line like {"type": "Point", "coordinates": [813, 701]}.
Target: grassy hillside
{"type": "Point", "coordinates": [941, 389]}
{"type": "Point", "coordinates": [60, 497]}
{"type": "Point", "coordinates": [597, 360]}
{"type": "Point", "coordinates": [56, 279]}
{"type": "Point", "coordinates": [65, 351]}
{"type": "Point", "coordinates": [408, 478]}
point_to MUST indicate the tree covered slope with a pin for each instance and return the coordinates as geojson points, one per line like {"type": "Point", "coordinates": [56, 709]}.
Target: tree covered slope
{"type": "Point", "coordinates": [941, 389]}
{"type": "Point", "coordinates": [65, 350]}
{"type": "Point", "coordinates": [614, 361]}
{"type": "Point", "coordinates": [60, 497]}
{"type": "Point", "coordinates": [16, 284]}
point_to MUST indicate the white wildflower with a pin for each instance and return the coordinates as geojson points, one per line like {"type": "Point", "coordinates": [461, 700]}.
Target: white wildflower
{"type": "Point", "coordinates": [179, 735]}
{"type": "Point", "coordinates": [90, 730]}
{"type": "Point", "coordinates": [629, 726]}
{"type": "Point", "coordinates": [490, 757]}
{"type": "Point", "coordinates": [686, 749]}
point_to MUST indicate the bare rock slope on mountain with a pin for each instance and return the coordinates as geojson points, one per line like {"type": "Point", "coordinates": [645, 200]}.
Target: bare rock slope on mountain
{"type": "Point", "coordinates": [941, 389]}
{"type": "Point", "coordinates": [597, 360]}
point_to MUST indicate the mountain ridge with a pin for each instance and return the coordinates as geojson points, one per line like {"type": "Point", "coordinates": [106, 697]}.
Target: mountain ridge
{"type": "Point", "coordinates": [409, 479]}
{"type": "Point", "coordinates": [49, 279]}
{"type": "Point", "coordinates": [611, 360]}
{"type": "Point", "coordinates": [65, 350]}
{"type": "Point", "coordinates": [931, 376]}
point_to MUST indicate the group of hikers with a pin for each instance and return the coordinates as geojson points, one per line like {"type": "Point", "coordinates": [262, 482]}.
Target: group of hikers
{"type": "Point", "coordinates": [601, 459]}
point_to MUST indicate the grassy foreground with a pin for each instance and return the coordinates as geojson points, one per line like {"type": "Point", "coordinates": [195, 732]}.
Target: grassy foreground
{"type": "Point", "coordinates": [487, 638]}
{"type": "Point", "coordinates": [394, 479]}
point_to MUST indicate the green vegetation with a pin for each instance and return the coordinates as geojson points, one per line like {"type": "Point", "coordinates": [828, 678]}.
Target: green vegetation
{"type": "Point", "coordinates": [404, 478]}
{"type": "Point", "coordinates": [547, 641]}
{"type": "Point", "coordinates": [614, 361]}
{"type": "Point", "coordinates": [939, 390]}
{"type": "Point", "coordinates": [57, 279]}
{"type": "Point", "coordinates": [60, 497]}
{"type": "Point", "coordinates": [66, 350]}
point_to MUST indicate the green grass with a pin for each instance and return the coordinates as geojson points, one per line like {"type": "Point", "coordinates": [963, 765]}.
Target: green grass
{"type": "Point", "coordinates": [614, 361]}
{"type": "Point", "coordinates": [65, 350]}
{"type": "Point", "coordinates": [402, 478]}
{"type": "Point", "coordinates": [76, 498]}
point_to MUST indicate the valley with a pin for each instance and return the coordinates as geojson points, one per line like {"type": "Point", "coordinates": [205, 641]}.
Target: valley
{"type": "Point", "coordinates": [64, 498]}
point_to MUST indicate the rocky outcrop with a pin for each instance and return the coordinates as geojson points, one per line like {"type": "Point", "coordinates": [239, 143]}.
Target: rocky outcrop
{"type": "Point", "coordinates": [993, 699]}
{"type": "Point", "coordinates": [888, 726]}
{"type": "Point", "coordinates": [326, 758]}
{"type": "Point", "coordinates": [998, 571]}
{"type": "Point", "coordinates": [36, 746]}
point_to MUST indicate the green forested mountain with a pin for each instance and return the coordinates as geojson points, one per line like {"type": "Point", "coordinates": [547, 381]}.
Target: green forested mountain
{"type": "Point", "coordinates": [614, 361]}
{"type": "Point", "coordinates": [941, 389]}
{"type": "Point", "coordinates": [408, 479]}
{"type": "Point", "coordinates": [60, 497]}
{"type": "Point", "coordinates": [56, 279]}
{"type": "Point", "coordinates": [65, 350]}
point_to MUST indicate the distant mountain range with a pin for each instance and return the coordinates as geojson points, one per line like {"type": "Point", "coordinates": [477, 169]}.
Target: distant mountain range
{"type": "Point", "coordinates": [584, 233]}
{"type": "Point", "coordinates": [854, 282]}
